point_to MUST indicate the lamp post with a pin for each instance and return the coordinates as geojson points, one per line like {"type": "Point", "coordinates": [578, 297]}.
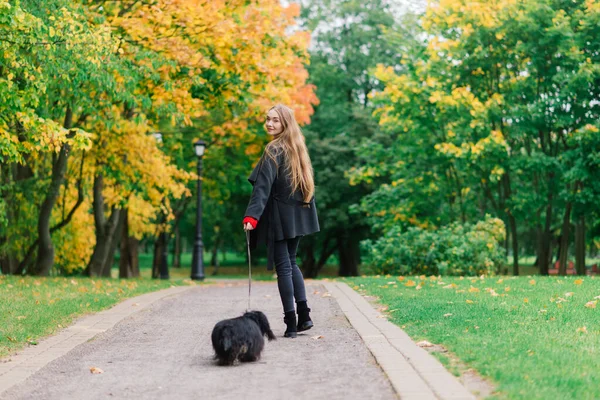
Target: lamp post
{"type": "Point", "coordinates": [198, 255]}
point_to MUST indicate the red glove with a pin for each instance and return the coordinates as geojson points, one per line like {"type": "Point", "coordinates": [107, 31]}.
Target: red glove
{"type": "Point", "coordinates": [251, 221]}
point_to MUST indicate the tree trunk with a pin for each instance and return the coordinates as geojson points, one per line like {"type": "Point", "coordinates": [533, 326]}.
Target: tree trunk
{"type": "Point", "coordinates": [160, 263]}
{"type": "Point", "coordinates": [544, 257]}
{"type": "Point", "coordinates": [158, 250]}
{"type": "Point", "coordinates": [214, 261]}
{"type": "Point", "coordinates": [515, 243]}
{"type": "Point", "coordinates": [580, 245]}
{"type": "Point", "coordinates": [45, 255]}
{"type": "Point", "coordinates": [8, 264]}
{"type": "Point", "coordinates": [112, 246]}
{"type": "Point", "coordinates": [129, 266]}
{"type": "Point", "coordinates": [512, 222]}
{"type": "Point", "coordinates": [105, 230]}
{"type": "Point", "coordinates": [349, 253]}
{"type": "Point", "coordinates": [564, 240]}
{"type": "Point", "coordinates": [177, 247]}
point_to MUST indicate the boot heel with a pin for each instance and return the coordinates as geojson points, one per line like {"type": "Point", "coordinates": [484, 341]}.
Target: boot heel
{"type": "Point", "coordinates": [304, 321]}
{"type": "Point", "coordinates": [290, 321]}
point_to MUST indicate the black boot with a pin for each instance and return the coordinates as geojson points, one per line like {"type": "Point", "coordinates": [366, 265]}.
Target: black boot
{"type": "Point", "coordinates": [290, 321]}
{"type": "Point", "coordinates": [304, 321]}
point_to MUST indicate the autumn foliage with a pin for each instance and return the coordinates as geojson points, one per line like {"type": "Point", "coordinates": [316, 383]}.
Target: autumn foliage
{"type": "Point", "coordinates": [101, 102]}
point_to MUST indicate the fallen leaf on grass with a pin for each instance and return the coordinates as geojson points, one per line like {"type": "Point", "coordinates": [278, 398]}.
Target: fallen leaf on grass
{"type": "Point", "coordinates": [583, 329]}
{"type": "Point", "coordinates": [317, 337]}
{"type": "Point", "coordinates": [10, 338]}
{"type": "Point", "coordinates": [591, 304]}
{"type": "Point", "coordinates": [597, 297]}
{"type": "Point", "coordinates": [470, 301]}
{"type": "Point", "coordinates": [73, 282]}
{"type": "Point", "coordinates": [447, 315]}
{"type": "Point", "coordinates": [424, 343]}
{"type": "Point", "coordinates": [451, 286]}
{"type": "Point", "coordinates": [532, 282]}
{"type": "Point", "coordinates": [473, 290]}
{"type": "Point", "coordinates": [96, 370]}
{"type": "Point", "coordinates": [525, 300]}
{"type": "Point", "coordinates": [410, 283]}
{"type": "Point", "coordinates": [20, 317]}
{"type": "Point", "coordinates": [578, 281]}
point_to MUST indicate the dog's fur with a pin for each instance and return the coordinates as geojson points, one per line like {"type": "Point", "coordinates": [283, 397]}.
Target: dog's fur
{"type": "Point", "coordinates": [241, 338]}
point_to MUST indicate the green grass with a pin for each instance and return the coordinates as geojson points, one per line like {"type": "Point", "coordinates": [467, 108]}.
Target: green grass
{"type": "Point", "coordinates": [533, 337]}
{"type": "Point", "coordinates": [34, 307]}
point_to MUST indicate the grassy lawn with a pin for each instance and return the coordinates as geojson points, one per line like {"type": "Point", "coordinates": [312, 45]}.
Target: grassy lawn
{"type": "Point", "coordinates": [33, 307]}
{"type": "Point", "coordinates": [534, 337]}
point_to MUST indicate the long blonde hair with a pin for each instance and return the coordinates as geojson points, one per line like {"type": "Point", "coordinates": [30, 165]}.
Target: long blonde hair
{"type": "Point", "coordinates": [292, 144]}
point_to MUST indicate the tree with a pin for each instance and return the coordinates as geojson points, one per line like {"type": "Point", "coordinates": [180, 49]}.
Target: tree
{"type": "Point", "coordinates": [350, 38]}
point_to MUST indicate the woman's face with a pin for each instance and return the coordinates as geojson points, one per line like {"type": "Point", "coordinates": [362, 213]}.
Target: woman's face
{"type": "Point", "coordinates": [273, 123]}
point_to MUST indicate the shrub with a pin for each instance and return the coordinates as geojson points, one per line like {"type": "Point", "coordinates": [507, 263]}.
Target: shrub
{"type": "Point", "coordinates": [455, 249]}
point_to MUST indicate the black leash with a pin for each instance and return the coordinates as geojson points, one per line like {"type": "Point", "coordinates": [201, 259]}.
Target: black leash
{"type": "Point", "coordinates": [249, 269]}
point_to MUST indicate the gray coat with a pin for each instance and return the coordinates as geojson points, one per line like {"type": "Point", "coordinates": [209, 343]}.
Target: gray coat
{"type": "Point", "coordinates": [281, 214]}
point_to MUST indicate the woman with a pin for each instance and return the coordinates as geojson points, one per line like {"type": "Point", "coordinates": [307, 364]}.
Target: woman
{"type": "Point", "coordinates": [282, 210]}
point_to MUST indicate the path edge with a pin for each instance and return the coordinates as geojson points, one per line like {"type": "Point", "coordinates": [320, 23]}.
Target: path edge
{"type": "Point", "coordinates": [412, 371]}
{"type": "Point", "coordinates": [29, 360]}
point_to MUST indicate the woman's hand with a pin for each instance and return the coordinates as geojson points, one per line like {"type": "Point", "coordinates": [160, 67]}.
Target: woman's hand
{"type": "Point", "coordinates": [248, 226]}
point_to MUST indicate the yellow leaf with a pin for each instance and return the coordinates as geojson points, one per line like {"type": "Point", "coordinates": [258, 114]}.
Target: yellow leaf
{"type": "Point", "coordinates": [424, 343]}
{"type": "Point", "coordinates": [473, 290]}
{"type": "Point", "coordinates": [532, 282]}
{"type": "Point", "coordinates": [583, 329]}
{"type": "Point", "coordinates": [578, 281]}
{"type": "Point", "coordinates": [525, 300]}
{"type": "Point", "coordinates": [410, 283]}
{"type": "Point", "coordinates": [470, 301]}
{"type": "Point", "coordinates": [96, 370]}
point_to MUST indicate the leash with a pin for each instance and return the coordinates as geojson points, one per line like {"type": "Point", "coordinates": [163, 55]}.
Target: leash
{"type": "Point", "coordinates": [249, 269]}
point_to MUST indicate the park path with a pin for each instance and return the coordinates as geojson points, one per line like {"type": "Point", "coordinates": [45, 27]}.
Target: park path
{"type": "Point", "coordinates": [157, 346]}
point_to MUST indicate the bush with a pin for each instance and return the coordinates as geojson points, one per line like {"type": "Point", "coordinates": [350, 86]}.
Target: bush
{"type": "Point", "coordinates": [455, 249]}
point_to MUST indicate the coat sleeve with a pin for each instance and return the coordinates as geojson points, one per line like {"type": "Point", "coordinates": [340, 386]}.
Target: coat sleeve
{"type": "Point", "coordinates": [262, 178]}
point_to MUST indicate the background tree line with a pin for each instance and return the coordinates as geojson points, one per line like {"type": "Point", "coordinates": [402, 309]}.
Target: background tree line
{"type": "Point", "coordinates": [429, 129]}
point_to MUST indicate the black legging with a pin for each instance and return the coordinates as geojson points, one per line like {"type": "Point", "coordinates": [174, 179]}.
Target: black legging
{"type": "Point", "coordinates": [289, 277]}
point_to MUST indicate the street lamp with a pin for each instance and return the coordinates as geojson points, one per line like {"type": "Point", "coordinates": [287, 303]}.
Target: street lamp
{"type": "Point", "coordinates": [198, 256]}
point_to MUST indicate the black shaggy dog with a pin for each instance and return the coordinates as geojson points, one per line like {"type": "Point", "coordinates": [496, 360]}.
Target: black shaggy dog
{"type": "Point", "coordinates": [241, 338]}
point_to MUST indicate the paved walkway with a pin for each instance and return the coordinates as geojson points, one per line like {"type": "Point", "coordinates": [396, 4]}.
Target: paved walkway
{"type": "Point", "coordinates": [157, 346]}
